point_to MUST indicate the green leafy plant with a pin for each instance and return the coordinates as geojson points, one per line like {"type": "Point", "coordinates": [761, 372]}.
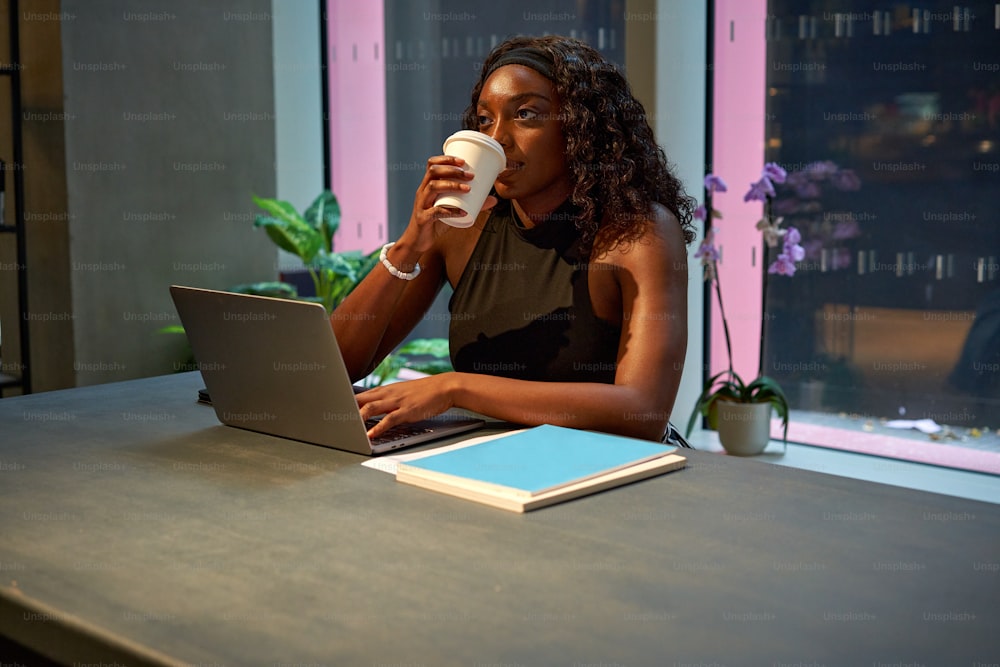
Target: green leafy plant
{"type": "Point", "coordinates": [309, 236]}
{"type": "Point", "coordinates": [426, 355]}
{"type": "Point", "coordinates": [187, 362]}
{"type": "Point", "coordinates": [272, 288]}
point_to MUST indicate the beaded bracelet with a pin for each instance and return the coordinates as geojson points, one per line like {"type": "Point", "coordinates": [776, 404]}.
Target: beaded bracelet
{"type": "Point", "coordinates": [392, 269]}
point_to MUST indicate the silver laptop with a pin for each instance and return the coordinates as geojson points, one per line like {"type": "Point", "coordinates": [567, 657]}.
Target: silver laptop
{"type": "Point", "coordinates": [273, 366]}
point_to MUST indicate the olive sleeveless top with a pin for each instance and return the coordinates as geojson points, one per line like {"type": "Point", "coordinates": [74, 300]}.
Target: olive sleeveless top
{"type": "Point", "coordinates": [522, 308]}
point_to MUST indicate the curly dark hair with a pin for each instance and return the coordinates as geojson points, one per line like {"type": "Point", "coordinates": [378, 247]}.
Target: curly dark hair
{"type": "Point", "coordinates": [617, 169]}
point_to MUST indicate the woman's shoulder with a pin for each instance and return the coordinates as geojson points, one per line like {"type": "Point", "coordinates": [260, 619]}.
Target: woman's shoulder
{"type": "Point", "coordinates": [665, 223]}
{"type": "Point", "coordinates": [658, 234]}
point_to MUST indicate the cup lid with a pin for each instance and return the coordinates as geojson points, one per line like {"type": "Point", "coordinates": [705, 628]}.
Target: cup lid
{"type": "Point", "coordinates": [477, 137]}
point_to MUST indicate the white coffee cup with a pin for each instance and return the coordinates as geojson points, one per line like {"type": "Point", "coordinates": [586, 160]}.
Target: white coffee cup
{"type": "Point", "coordinates": [485, 159]}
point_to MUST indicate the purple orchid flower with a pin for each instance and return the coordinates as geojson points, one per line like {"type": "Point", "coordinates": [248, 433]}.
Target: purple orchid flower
{"type": "Point", "coordinates": [760, 190]}
{"type": "Point", "coordinates": [715, 184]}
{"type": "Point", "coordinates": [792, 249]}
{"type": "Point", "coordinates": [700, 213]}
{"type": "Point", "coordinates": [783, 266]}
{"type": "Point", "coordinates": [707, 252]}
{"type": "Point", "coordinates": [774, 172]}
{"type": "Point", "coordinates": [709, 255]}
{"type": "Point", "coordinates": [792, 236]}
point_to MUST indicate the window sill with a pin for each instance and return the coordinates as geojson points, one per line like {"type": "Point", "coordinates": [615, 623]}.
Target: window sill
{"type": "Point", "coordinates": [869, 466]}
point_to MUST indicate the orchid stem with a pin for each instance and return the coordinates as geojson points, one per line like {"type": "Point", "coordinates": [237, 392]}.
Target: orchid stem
{"type": "Point", "coordinates": [725, 324]}
{"type": "Point", "coordinates": [763, 297]}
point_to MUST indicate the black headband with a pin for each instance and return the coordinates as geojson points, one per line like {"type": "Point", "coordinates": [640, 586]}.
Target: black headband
{"type": "Point", "coordinates": [529, 56]}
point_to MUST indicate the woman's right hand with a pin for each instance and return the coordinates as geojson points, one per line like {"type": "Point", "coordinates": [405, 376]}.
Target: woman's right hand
{"type": "Point", "coordinates": [445, 174]}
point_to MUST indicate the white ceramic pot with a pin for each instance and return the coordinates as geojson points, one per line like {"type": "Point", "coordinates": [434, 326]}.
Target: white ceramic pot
{"type": "Point", "coordinates": [744, 428]}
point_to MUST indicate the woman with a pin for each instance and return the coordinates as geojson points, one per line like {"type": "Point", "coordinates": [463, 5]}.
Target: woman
{"type": "Point", "coordinates": [570, 290]}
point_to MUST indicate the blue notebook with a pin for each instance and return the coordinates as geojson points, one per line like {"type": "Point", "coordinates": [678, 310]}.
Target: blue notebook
{"type": "Point", "coordinates": [537, 460]}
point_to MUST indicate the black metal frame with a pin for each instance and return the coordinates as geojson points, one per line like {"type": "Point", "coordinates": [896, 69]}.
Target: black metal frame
{"type": "Point", "coordinates": [324, 19]}
{"type": "Point", "coordinates": [13, 71]}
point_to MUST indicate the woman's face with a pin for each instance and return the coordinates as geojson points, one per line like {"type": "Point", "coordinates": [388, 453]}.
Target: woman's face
{"type": "Point", "coordinates": [519, 108]}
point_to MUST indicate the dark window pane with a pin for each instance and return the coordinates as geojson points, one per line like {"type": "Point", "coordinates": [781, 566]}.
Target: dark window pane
{"type": "Point", "coordinates": [897, 306]}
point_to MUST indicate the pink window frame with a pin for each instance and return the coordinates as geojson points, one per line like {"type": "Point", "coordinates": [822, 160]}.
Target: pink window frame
{"type": "Point", "coordinates": [738, 135]}
{"type": "Point", "coordinates": [357, 122]}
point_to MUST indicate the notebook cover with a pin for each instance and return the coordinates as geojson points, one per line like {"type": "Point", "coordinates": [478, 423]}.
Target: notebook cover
{"type": "Point", "coordinates": [627, 475]}
{"type": "Point", "coordinates": [536, 460]}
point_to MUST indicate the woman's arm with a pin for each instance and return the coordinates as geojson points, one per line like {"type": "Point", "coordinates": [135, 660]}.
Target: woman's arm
{"type": "Point", "coordinates": [378, 314]}
{"type": "Point", "coordinates": [652, 280]}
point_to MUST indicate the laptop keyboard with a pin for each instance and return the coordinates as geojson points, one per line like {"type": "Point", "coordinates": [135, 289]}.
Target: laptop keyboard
{"type": "Point", "coordinates": [396, 432]}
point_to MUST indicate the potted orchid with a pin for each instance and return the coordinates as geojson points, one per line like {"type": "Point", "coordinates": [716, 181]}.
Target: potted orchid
{"type": "Point", "coordinates": [731, 404]}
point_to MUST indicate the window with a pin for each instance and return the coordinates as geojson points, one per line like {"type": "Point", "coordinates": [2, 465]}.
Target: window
{"type": "Point", "coordinates": [895, 312]}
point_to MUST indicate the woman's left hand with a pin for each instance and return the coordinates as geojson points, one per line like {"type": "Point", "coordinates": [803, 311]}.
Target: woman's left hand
{"type": "Point", "coordinates": [405, 402]}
